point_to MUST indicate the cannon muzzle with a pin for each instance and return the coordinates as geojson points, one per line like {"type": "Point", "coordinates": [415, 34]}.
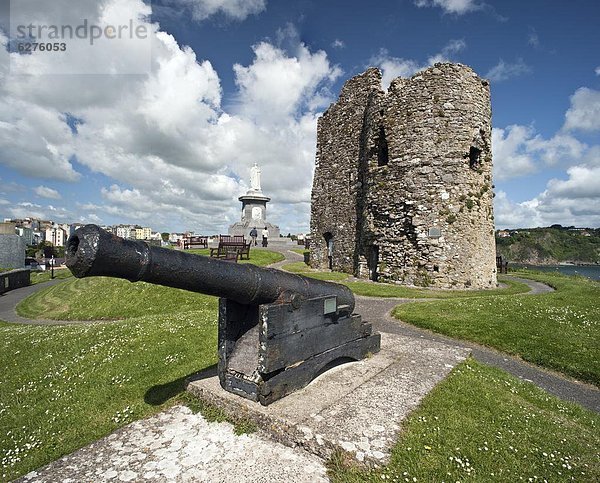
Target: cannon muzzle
{"type": "Point", "coordinates": [92, 251]}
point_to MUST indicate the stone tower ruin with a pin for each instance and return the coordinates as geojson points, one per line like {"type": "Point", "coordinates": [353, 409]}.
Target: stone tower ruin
{"type": "Point", "coordinates": [402, 190]}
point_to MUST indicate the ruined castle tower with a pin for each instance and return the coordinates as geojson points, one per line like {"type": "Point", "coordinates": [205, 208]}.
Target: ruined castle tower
{"type": "Point", "coordinates": [403, 181]}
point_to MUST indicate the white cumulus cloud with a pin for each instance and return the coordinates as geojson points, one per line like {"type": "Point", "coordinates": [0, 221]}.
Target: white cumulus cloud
{"type": "Point", "coordinates": [506, 70]}
{"type": "Point", "coordinates": [457, 7]}
{"type": "Point", "coordinates": [584, 112]}
{"type": "Point", "coordinates": [277, 85]}
{"type": "Point", "coordinates": [510, 153]}
{"type": "Point", "coordinates": [519, 150]}
{"type": "Point", "coordinates": [174, 156]}
{"type": "Point", "coordinates": [233, 9]}
{"type": "Point", "coordinates": [393, 67]}
{"type": "Point", "coordinates": [571, 198]}
{"type": "Point", "coordinates": [46, 192]}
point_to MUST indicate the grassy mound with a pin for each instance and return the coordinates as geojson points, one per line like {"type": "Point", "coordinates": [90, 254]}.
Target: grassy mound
{"type": "Point", "coordinates": [370, 289]}
{"type": "Point", "coordinates": [101, 298]}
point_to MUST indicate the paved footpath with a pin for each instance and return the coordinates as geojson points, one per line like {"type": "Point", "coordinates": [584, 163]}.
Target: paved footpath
{"type": "Point", "coordinates": [379, 311]}
{"type": "Point", "coordinates": [178, 446]}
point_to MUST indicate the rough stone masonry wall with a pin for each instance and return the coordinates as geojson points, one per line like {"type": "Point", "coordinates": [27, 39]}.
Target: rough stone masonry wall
{"type": "Point", "coordinates": [336, 187]}
{"type": "Point", "coordinates": [438, 182]}
{"type": "Point", "coordinates": [12, 251]}
{"type": "Point", "coordinates": [424, 169]}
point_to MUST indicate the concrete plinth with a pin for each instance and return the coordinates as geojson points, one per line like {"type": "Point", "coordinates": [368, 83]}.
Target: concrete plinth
{"type": "Point", "coordinates": [356, 407]}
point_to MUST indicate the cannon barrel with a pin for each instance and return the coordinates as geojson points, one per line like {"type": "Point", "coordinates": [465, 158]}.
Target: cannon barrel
{"type": "Point", "coordinates": [92, 251]}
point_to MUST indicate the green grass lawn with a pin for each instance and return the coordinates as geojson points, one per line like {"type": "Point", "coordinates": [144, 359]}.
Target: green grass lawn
{"type": "Point", "coordinates": [62, 387]}
{"type": "Point", "coordinates": [301, 268]}
{"type": "Point", "coordinates": [301, 251]}
{"type": "Point", "coordinates": [482, 425]}
{"type": "Point", "coordinates": [103, 298]}
{"type": "Point", "coordinates": [39, 277]}
{"type": "Point", "coordinates": [92, 298]}
{"type": "Point", "coordinates": [371, 289]}
{"type": "Point", "coordinates": [558, 330]}
{"type": "Point", "coordinates": [257, 257]}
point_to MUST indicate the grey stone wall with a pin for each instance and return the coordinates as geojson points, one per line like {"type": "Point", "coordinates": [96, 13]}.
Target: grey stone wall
{"type": "Point", "coordinates": [12, 251]}
{"type": "Point", "coordinates": [421, 211]}
{"type": "Point", "coordinates": [14, 279]}
{"type": "Point", "coordinates": [336, 201]}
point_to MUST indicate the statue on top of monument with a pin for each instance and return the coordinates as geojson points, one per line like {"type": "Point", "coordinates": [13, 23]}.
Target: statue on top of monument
{"type": "Point", "coordinates": [255, 178]}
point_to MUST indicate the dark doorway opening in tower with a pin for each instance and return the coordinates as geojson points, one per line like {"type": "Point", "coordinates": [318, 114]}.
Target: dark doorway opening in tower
{"type": "Point", "coordinates": [474, 157]}
{"type": "Point", "coordinates": [382, 148]}
{"type": "Point", "coordinates": [329, 243]}
{"type": "Point", "coordinates": [373, 262]}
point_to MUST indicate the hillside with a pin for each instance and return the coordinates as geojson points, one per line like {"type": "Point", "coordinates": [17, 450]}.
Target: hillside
{"type": "Point", "coordinates": [549, 246]}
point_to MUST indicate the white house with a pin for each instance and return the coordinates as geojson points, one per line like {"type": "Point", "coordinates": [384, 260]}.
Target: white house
{"type": "Point", "coordinates": [56, 235]}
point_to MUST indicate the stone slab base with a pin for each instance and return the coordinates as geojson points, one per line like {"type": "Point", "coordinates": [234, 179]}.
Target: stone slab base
{"type": "Point", "coordinates": [356, 407]}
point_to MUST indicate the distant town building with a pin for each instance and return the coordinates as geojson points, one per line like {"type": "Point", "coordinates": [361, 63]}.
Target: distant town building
{"type": "Point", "coordinates": [143, 233]}
{"type": "Point", "coordinates": [7, 228]}
{"type": "Point", "coordinates": [26, 234]}
{"type": "Point", "coordinates": [56, 235]}
{"type": "Point", "coordinates": [125, 231]}
{"type": "Point", "coordinates": [174, 238]}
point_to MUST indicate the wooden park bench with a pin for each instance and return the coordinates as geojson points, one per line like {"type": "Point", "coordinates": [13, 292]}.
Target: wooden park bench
{"type": "Point", "coordinates": [231, 248]}
{"type": "Point", "coordinates": [189, 242]}
{"type": "Point", "coordinates": [501, 265]}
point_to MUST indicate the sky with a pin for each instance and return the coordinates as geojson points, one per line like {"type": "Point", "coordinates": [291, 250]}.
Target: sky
{"type": "Point", "coordinates": [160, 124]}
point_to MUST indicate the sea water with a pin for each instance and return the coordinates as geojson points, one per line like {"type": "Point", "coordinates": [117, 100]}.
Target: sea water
{"type": "Point", "coordinates": [589, 271]}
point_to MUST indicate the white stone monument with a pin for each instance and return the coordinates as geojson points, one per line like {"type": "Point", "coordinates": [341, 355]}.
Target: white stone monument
{"type": "Point", "coordinates": [254, 210]}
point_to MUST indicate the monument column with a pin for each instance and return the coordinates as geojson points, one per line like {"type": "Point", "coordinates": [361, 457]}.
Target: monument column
{"type": "Point", "coordinates": [254, 209]}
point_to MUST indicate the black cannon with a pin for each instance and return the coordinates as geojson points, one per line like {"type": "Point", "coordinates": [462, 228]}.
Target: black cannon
{"type": "Point", "coordinates": [277, 330]}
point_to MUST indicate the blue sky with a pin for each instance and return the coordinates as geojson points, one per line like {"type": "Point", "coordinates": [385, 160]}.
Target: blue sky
{"type": "Point", "coordinates": [162, 131]}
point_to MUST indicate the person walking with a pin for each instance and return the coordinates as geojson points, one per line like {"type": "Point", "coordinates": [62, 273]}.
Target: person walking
{"type": "Point", "coordinates": [253, 235]}
{"type": "Point", "coordinates": [265, 237]}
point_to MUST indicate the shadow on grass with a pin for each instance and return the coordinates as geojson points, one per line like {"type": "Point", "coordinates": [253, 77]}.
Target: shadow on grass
{"type": "Point", "coordinates": [161, 393]}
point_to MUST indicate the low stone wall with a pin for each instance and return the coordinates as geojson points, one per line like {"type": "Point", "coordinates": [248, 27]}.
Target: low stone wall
{"type": "Point", "coordinates": [14, 279]}
{"type": "Point", "coordinates": [12, 251]}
